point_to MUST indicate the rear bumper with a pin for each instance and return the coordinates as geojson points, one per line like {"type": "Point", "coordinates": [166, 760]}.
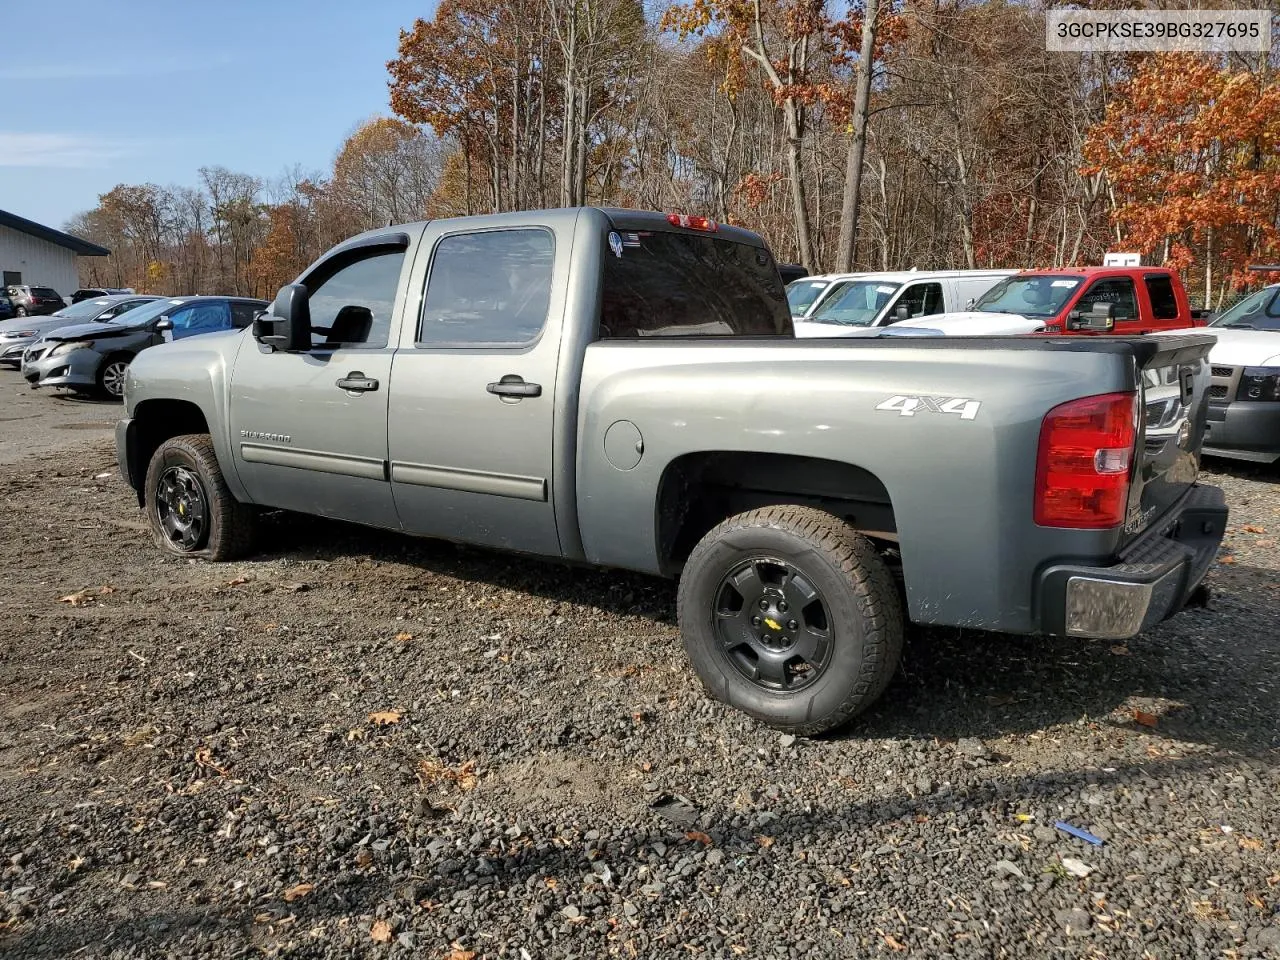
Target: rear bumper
{"type": "Point", "coordinates": [1244, 430]}
{"type": "Point", "coordinates": [1151, 582]}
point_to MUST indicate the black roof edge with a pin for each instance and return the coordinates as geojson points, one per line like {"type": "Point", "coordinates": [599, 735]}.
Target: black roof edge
{"type": "Point", "coordinates": [82, 247]}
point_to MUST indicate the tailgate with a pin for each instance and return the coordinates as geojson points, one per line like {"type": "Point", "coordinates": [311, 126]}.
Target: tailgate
{"type": "Point", "coordinates": [1174, 374]}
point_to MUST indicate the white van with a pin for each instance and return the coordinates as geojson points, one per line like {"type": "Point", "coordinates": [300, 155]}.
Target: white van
{"type": "Point", "coordinates": [843, 303]}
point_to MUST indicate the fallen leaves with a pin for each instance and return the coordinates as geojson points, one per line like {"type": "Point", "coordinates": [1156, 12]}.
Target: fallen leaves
{"type": "Point", "coordinates": [204, 757]}
{"type": "Point", "coordinates": [380, 931]}
{"type": "Point", "coordinates": [432, 771]}
{"type": "Point", "coordinates": [1120, 650]}
{"type": "Point", "coordinates": [404, 636]}
{"type": "Point", "coordinates": [1251, 528]}
{"type": "Point", "coordinates": [298, 891]}
{"type": "Point", "coordinates": [1227, 560]}
{"type": "Point", "coordinates": [764, 841]}
{"type": "Point", "coordinates": [385, 718]}
{"type": "Point", "coordinates": [1250, 843]}
{"type": "Point", "coordinates": [893, 943]}
{"type": "Point", "coordinates": [87, 595]}
{"type": "Point", "coordinates": [457, 954]}
{"type": "Point", "coordinates": [697, 836]}
{"type": "Point", "coordinates": [1144, 718]}
{"type": "Point", "coordinates": [237, 582]}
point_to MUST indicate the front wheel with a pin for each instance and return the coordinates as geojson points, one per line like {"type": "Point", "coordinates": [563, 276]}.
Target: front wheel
{"type": "Point", "coordinates": [190, 509]}
{"type": "Point", "coordinates": [21, 312]}
{"type": "Point", "coordinates": [792, 617]}
{"type": "Point", "coordinates": [111, 375]}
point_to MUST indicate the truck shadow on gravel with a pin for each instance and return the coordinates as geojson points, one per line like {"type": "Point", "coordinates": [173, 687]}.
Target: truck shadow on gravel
{"type": "Point", "coordinates": [1208, 675]}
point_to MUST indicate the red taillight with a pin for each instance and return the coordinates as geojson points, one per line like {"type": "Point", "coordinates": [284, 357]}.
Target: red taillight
{"type": "Point", "coordinates": [1085, 458]}
{"type": "Point", "coordinates": [692, 223]}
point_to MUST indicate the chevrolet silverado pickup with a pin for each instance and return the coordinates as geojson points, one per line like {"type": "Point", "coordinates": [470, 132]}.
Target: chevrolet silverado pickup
{"type": "Point", "coordinates": [623, 389]}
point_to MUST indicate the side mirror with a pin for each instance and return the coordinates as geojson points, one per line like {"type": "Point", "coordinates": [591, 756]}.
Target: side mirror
{"type": "Point", "coordinates": [164, 323]}
{"type": "Point", "coordinates": [900, 312]}
{"type": "Point", "coordinates": [287, 325]}
{"type": "Point", "coordinates": [1100, 319]}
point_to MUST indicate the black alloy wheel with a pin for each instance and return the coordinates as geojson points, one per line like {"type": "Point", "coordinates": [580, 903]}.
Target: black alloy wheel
{"type": "Point", "coordinates": [182, 507]}
{"type": "Point", "coordinates": [774, 624]}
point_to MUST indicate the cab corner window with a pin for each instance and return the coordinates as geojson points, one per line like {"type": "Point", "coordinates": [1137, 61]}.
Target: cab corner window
{"type": "Point", "coordinates": [1164, 303]}
{"type": "Point", "coordinates": [351, 307]}
{"type": "Point", "coordinates": [492, 287]}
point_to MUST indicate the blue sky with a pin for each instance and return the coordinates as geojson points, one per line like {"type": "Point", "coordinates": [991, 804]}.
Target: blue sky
{"type": "Point", "coordinates": [137, 91]}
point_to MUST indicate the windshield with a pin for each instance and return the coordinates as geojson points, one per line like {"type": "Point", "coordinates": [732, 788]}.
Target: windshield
{"type": "Point", "coordinates": [1258, 311]}
{"type": "Point", "coordinates": [84, 310]}
{"type": "Point", "coordinates": [1029, 296]}
{"type": "Point", "coordinates": [857, 303]}
{"type": "Point", "coordinates": [140, 315]}
{"type": "Point", "coordinates": [802, 293]}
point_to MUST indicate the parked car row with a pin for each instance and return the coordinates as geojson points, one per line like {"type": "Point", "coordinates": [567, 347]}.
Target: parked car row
{"type": "Point", "coordinates": [1244, 399]}
{"type": "Point", "coordinates": [88, 347]}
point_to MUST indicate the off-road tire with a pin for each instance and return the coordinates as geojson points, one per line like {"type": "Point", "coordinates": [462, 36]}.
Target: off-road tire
{"type": "Point", "coordinates": [231, 526]}
{"type": "Point", "coordinates": [866, 619]}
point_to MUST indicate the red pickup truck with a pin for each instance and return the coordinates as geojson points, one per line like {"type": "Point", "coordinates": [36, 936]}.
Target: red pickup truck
{"type": "Point", "coordinates": [1095, 300]}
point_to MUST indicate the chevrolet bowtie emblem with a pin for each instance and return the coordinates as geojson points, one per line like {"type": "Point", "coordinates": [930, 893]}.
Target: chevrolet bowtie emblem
{"type": "Point", "coordinates": [772, 624]}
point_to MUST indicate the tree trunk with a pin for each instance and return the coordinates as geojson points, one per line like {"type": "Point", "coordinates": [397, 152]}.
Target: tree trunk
{"type": "Point", "coordinates": [799, 202]}
{"type": "Point", "coordinates": [1208, 267]}
{"type": "Point", "coordinates": [849, 208]}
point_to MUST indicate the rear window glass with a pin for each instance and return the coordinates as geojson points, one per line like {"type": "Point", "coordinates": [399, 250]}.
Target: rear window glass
{"type": "Point", "coordinates": [45, 292]}
{"type": "Point", "coordinates": [666, 284]}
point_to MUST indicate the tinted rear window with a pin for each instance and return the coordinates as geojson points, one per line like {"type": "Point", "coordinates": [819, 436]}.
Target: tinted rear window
{"type": "Point", "coordinates": [45, 292]}
{"type": "Point", "coordinates": [666, 284]}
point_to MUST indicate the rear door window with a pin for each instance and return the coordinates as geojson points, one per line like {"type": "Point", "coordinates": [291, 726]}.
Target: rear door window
{"type": "Point", "coordinates": [492, 287]}
{"type": "Point", "coordinates": [659, 283]}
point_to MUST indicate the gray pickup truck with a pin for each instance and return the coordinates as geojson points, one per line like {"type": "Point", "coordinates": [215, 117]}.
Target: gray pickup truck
{"type": "Point", "coordinates": [623, 389]}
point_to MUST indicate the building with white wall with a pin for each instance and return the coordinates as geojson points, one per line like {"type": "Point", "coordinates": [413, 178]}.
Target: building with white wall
{"type": "Point", "coordinates": [41, 256]}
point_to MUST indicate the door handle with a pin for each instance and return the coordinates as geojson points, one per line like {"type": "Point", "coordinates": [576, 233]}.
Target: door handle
{"type": "Point", "coordinates": [357, 382]}
{"type": "Point", "coordinates": [513, 385]}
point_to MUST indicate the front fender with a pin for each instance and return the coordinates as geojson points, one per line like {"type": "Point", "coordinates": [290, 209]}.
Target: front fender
{"type": "Point", "coordinates": [197, 371]}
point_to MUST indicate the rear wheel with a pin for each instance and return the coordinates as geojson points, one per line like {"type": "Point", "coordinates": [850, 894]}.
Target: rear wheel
{"type": "Point", "coordinates": [111, 375]}
{"type": "Point", "coordinates": [792, 617]}
{"type": "Point", "coordinates": [189, 507]}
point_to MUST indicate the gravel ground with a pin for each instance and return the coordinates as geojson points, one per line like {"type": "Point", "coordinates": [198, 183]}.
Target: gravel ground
{"type": "Point", "coordinates": [362, 745]}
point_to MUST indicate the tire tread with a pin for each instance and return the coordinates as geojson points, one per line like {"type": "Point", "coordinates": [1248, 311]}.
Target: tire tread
{"type": "Point", "coordinates": [234, 524]}
{"type": "Point", "coordinates": [874, 590]}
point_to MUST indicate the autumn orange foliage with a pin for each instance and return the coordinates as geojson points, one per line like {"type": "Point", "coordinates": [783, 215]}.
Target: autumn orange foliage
{"type": "Point", "coordinates": [1192, 150]}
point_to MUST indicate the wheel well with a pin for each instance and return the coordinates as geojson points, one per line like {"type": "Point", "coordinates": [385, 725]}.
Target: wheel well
{"type": "Point", "coordinates": [699, 490]}
{"type": "Point", "coordinates": [154, 422]}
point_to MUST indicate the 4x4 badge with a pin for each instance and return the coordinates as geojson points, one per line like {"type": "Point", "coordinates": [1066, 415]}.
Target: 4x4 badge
{"type": "Point", "coordinates": [910, 406]}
